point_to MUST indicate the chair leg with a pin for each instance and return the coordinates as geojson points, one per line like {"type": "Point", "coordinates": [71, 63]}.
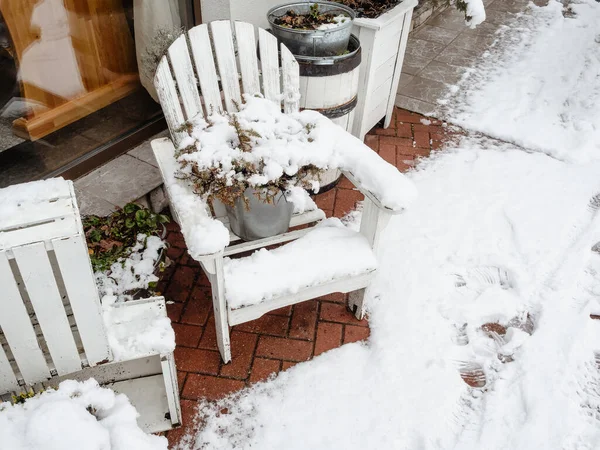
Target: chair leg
{"type": "Point", "coordinates": [221, 324]}
{"type": "Point", "coordinates": [215, 273]}
{"type": "Point", "coordinates": [356, 303]}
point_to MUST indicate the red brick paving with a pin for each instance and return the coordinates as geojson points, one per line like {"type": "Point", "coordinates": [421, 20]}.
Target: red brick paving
{"type": "Point", "coordinates": [283, 338]}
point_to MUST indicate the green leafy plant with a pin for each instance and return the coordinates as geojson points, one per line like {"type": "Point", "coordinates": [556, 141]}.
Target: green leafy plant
{"type": "Point", "coordinates": [112, 237]}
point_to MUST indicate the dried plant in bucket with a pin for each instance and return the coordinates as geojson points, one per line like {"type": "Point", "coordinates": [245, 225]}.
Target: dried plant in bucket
{"type": "Point", "coordinates": [251, 157]}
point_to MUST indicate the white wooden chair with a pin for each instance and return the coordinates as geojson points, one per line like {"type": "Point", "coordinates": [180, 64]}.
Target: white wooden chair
{"type": "Point", "coordinates": [51, 325]}
{"type": "Point", "coordinates": [200, 86]}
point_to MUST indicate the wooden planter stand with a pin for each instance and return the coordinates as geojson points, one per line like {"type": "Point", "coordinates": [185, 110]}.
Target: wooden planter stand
{"type": "Point", "coordinates": [383, 41]}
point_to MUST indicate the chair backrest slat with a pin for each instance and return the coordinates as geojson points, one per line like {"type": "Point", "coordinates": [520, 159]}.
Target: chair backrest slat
{"type": "Point", "coordinates": [169, 100]}
{"type": "Point", "coordinates": [225, 51]}
{"type": "Point", "coordinates": [8, 380]}
{"type": "Point", "coordinates": [17, 329]}
{"type": "Point", "coordinates": [290, 81]}
{"type": "Point", "coordinates": [269, 60]}
{"type": "Point", "coordinates": [205, 66]}
{"type": "Point", "coordinates": [40, 283]}
{"type": "Point", "coordinates": [80, 285]}
{"type": "Point", "coordinates": [222, 59]}
{"type": "Point", "coordinates": [184, 75]}
{"type": "Point", "coordinates": [246, 43]}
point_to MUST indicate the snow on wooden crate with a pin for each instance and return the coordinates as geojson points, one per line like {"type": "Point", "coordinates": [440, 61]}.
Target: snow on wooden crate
{"type": "Point", "coordinates": [55, 325]}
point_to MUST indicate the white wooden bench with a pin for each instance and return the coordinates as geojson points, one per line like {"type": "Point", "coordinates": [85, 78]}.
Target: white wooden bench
{"type": "Point", "coordinates": [198, 87]}
{"type": "Point", "coordinates": [51, 325]}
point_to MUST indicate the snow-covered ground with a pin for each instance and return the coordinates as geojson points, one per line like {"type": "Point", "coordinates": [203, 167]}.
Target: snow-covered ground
{"type": "Point", "coordinates": [501, 233]}
{"type": "Point", "coordinates": [76, 416]}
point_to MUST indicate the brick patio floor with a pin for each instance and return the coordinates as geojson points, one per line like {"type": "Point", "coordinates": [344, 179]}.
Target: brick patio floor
{"type": "Point", "coordinates": [282, 338]}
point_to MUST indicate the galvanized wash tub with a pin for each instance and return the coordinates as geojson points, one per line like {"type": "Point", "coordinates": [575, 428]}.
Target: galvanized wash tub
{"type": "Point", "coordinates": [328, 42]}
{"type": "Point", "coordinates": [261, 219]}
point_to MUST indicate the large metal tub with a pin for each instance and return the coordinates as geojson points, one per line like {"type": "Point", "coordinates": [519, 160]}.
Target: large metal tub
{"type": "Point", "coordinates": [329, 42]}
{"type": "Point", "coordinates": [261, 219]}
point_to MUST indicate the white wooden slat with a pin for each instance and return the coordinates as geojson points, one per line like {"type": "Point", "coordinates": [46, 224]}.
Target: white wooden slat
{"type": "Point", "coordinates": [18, 330]}
{"type": "Point", "coordinates": [205, 66]}
{"type": "Point", "coordinates": [42, 212]}
{"type": "Point", "coordinates": [78, 278]}
{"type": "Point", "coordinates": [8, 381]}
{"type": "Point", "coordinates": [42, 232]}
{"type": "Point", "coordinates": [291, 81]}
{"type": "Point", "coordinates": [269, 61]}
{"type": "Point", "coordinates": [169, 100]}
{"type": "Point", "coordinates": [246, 43]}
{"type": "Point", "coordinates": [398, 68]}
{"type": "Point", "coordinates": [344, 284]}
{"type": "Point", "coordinates": [38, 277]}
{"type": "Point", "coordinates": [223, 42]}
{"type": "Point", "coordinates": [184, 75]}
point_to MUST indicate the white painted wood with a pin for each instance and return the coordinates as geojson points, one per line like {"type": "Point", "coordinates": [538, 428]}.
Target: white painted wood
{"type": "Point", "coordinates": [260, 243]}
{"type": "Point", "coordinates": [398, 68]}
{"type": "Point", "coordinates": [381, 39]}
{"type": "Point", "coordinates": [43, 293]}
{"type": "Point", "coordinates": [225, 52]}
{"type": "Point", "coordinates": [205, 65]}
{"type": "Point", "coordinates": [272, 80]}
{"type": "Point", "coordinates": [246, 44]}
{"type": "Point", "coordinates": [220, 308]}
{"type": "Point", "coordinates": [8, 380]}
{"type": "Point", "coordinates": [38, 216]}
{"type": "Point", "coordinates": [291, 81]}
{"type": "Point", "coordinates": [172, 390]}
{"type": "Point", "coordinates": [17, 328]}
{"type": "Point", "coordinates": [80, 285]}
{"type": "Point", "coordinates": [184, 75]}
{"type": "Point", "coordinates": [169, 100]}
{"type": "Point", "coordinates": [269, 61]}
{"type": "Point", "coordinates": [345, 284]}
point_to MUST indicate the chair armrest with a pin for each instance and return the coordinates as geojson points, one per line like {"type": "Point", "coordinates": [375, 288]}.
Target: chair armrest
{"type": "Point", "coordinates": [204, 236]}
{"type": "Point", "coordinates": [377, 179]}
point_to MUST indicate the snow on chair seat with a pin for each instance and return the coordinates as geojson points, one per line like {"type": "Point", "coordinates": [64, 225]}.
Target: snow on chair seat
{"type": "Point", "coordinates": [328, 254]}
{"type": "Point", "coordinates": [51, 325]}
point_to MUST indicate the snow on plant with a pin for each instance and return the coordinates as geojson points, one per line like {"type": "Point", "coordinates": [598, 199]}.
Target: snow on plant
{"type": "Point", "coordinates": [257, 147]}
{"type": "Point", "coordinates": [133, 272]}
{"type": "Point", "coordinates": [76, 416]}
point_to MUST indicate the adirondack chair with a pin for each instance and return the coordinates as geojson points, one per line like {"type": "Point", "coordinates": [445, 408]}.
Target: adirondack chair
{"type": "Point", "coordinates": [51, 325]}
{"type": "Point", "coordinates": [220, 89]}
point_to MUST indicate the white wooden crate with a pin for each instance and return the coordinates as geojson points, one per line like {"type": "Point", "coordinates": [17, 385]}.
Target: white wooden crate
{"type": "Point", "coordinates": [50, 323]}
{"type": "Point", "coordinates": [383, 41]}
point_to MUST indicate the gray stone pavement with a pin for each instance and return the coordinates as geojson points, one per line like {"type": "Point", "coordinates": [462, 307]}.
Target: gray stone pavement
{"type": "Point", "coordinates": [440, 52]}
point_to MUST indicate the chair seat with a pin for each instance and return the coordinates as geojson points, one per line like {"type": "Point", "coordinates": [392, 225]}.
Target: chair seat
{"type": "Point", "coordinates": [330, 252]}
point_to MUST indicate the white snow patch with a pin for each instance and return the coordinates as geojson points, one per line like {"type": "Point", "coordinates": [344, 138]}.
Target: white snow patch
{"type": "Point", "coordinates": [76, 416]}
{"type": "Point", "coordinates": [540, 88]}
{"type": "Point", "coordinates": [135, 331]}
{"type": "Point", "coordinates": [135, 271]}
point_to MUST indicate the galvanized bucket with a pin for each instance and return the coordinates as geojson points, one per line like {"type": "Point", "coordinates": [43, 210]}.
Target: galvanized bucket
{"type": "Point", "coordinates": [329, 42]}
{"type": "Point", "coordinates": [261, 219]}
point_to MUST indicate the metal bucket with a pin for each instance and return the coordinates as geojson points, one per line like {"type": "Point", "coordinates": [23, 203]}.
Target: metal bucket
{"type": "Point", "coordinates": [329, 42]}
{"type": "Point", "coordinates": [261, 219]}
